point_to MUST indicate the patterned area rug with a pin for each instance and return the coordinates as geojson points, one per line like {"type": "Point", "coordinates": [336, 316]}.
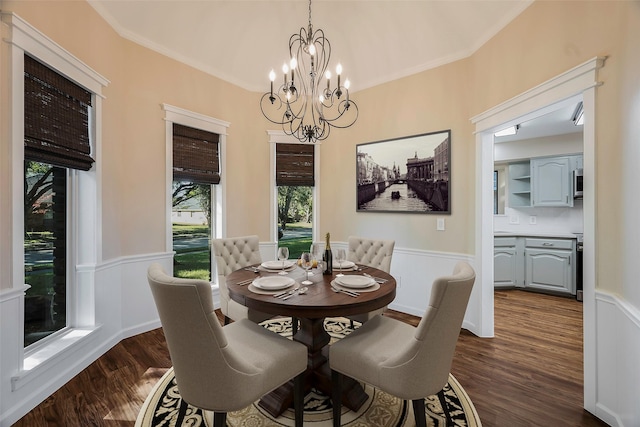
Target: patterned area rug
{"type": "Point", "coordinates": [380, 410]}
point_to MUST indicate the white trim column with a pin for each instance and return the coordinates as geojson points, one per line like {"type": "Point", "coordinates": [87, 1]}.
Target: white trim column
{"type": "Point", "coordinates": [578, 82]}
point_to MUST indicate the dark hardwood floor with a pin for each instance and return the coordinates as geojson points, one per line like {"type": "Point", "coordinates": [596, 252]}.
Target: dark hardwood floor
{"type": "Point", "coordinates": [530, 374]}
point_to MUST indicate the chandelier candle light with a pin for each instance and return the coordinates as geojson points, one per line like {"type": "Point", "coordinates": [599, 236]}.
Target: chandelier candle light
{"type": "Point", "coordinates": [306, 108]}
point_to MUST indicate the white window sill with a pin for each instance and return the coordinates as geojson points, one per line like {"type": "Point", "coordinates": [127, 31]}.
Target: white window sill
{"type": "Point", "coordinates": [44, 357]}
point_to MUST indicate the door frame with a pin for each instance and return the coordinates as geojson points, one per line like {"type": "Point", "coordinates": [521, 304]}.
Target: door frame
{"type": "Point", "coordinates": [578, 82]}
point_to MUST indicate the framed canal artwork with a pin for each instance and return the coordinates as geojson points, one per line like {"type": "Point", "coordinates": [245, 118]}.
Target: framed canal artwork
{"type": "Point", "coordinates": [409, 174]}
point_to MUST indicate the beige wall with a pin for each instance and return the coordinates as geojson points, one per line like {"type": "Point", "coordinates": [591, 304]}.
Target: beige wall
{"type": "Point", "coordinates": [546, 39]}
{"type": "Point", "coordinates": [133, 149]}
{"type": "Point", "coordinates": [427, 102]}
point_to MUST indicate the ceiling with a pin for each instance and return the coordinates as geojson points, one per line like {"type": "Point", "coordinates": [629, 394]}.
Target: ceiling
{"type": "Point", "coordinates": [376, 41]}
{"type": "Point", "coordinates": [556, 122]}
{"type": "Point", "coordinates": [240, 41]}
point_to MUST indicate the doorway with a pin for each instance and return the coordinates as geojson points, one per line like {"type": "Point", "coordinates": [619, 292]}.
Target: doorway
{"type": "Point", "coordinates": [547, 97]}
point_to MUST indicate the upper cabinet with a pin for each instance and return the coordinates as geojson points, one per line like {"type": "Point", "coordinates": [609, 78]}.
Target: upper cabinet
{"type": "Point", "coordinates": [551, 182]}
{"type": "Point", "coordinates": [542, 182]}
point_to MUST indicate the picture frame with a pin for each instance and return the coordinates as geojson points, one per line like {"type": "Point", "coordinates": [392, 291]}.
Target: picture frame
{"type": "Point", "coordinates": [408, 174]}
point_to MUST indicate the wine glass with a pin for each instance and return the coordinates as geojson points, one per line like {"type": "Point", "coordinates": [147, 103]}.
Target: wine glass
{"type": "Point", "coordinates": [341, 255]}
{"type": "Point", "coordinates": [306, 262]}
{"type": "Point", "coordinates": [316, 251]}
{"type": "Point", "coordinates": [283, 255]}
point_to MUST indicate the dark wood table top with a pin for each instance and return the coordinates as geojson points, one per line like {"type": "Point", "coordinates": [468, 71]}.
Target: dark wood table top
{"type": "Point", "coordinates": [319, 301]}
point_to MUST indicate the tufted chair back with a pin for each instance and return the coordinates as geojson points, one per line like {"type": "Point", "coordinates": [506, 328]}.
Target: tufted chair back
{"type": "Point", "coordinates": [217, 368]}
{"type": "Point", "coordinates": [402, 360]}
{"type": "Point", "coordinates": [374, 253]}
{"type": "Point", "coordinates": [232, 254]}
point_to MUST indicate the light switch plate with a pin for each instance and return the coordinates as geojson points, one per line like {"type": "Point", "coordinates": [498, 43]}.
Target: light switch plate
{"type": "Point", "coordinates": [440, 224]}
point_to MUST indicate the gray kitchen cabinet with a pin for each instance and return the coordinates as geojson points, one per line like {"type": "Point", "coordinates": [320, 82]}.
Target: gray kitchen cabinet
{"type": "Point", "coordinates": [542, 264]}
{"type": "Point", "coordinates": [550, 265]}
{"type": "Point", "coordinates": [551, 182]}
{"type": "Point", "coordinates": [508, 262]}
{"type": "Point", "coordinates": [577, 161]}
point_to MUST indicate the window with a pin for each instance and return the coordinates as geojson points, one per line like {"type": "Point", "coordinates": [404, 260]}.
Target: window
{"type": "Point", "coordinates": [295, 180]}
{"type": "Point", "coordinates": [45, 250]}
{"type": "Point", "coordinates": [195, 190]}
{"type": "Point", "coordinates": [191, 229]}
{"type": "Point", "coordinates": [195, 170]}
{"type": "Point", "coordinates": [56, 142]}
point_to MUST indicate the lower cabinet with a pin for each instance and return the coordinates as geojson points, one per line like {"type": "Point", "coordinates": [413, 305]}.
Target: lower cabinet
{"type": "Point", "coordinates": [508, 264]}
{"type": "Point", "coordinates": [544, 264]}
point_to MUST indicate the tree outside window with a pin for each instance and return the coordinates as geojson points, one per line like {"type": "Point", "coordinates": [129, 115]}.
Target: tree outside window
{"type": "Point", "coordinates": [191, 229]}
{"type": "Point", "coordinates": [45, 255]}
{"type": "Point", "coordinates": [295, 207]}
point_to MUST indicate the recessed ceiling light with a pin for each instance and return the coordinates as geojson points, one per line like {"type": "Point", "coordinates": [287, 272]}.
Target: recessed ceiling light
{"type": "Point", "coordinates": [578, 115]}
{"type": "Point", "coordinates": [511, 130]}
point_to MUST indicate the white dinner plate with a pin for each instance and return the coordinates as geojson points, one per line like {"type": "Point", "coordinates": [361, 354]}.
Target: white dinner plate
{"type": "Point", "coordinates": [273, 283]}
{"type": "Point", "coordinates": [277, 265]}
{"type": "Point", "coordinates": [355, 281]}
{"type": "Point", "coordinates": [343, 264]}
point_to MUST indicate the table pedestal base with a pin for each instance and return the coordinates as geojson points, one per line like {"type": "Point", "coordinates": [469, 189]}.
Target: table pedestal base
{"type": "Point", "coordinates": [311, 333]}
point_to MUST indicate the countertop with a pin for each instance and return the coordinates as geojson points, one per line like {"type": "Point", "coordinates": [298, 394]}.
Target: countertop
{"type": "Point", "coordinates": [547, 235]}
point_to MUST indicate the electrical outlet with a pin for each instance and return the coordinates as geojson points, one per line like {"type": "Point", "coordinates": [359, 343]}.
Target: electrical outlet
{"type": "Point", "coordinates": [533, 220]}
{"type": "Point", "coordinates": [440, 224]}
{"type": "Point", "coordinates": [514, 219]}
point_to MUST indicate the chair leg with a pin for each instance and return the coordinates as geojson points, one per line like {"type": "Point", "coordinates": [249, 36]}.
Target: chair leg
{"type": "Point", "coordinates": [226, 320]}
{"type": "Point", "coordinates": [219, 419]}
{"type": "Point", "coordinates": [445, 408]}
{"type": "Point", "coordinates": [298, 399]}
{"type": "Point", "coordinates": [294, 325]}
{"type": "Point", "coordinates": [336, 397]}
{"type": "Point", "coordinates": [419, 412]}
{"type": "Point", "coordinates": [182, 412]}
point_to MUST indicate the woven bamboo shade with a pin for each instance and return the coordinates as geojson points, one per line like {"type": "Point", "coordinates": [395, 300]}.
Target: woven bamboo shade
{"type": "Point", "coordinates": [294, 165]}
{"type": "Point", "coordinates": [56, 118]}
{"type": "Point", "coordinates": [195, 155]}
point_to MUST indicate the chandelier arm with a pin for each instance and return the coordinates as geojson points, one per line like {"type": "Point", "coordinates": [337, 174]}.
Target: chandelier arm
{"type": "Point", "coordinates": [302, 105]}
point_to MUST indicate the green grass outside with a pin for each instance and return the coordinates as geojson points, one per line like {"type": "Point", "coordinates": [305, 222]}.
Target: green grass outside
{"type": "Point", "coordinates": [300, 243]}
{"type": "Point", "coordinates": [191, 263]}
{"type": "Point", "coordinates": [296, 246]}
{"type": "Point", "coordinates": [194, 263]}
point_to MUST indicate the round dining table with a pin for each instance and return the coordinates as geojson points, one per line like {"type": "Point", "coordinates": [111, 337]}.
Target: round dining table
{"type": "Point", "coordinates": [311, 308]}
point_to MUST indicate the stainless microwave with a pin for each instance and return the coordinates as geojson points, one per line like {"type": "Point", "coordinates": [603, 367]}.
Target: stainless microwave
{"type": "Point", "coordinates": [577, 184]}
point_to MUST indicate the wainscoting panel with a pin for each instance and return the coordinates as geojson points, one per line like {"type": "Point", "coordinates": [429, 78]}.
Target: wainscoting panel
{"type": "Point", "coordinates": [415, 271]}
{"type": "Point", "coordinates": [618, 352]}
{"type": "Point", "coordinates": [123, 307]}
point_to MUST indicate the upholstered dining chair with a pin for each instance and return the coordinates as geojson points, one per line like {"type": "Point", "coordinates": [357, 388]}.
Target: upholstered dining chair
{"type": "Point", "coordinates": [374, 253]}
{"type": "Point", "coordinates": [405, 361]}
{"type": "Point", "coordinates": [232, 254]}
{"type": "Point", "coordinates": [221, 369]}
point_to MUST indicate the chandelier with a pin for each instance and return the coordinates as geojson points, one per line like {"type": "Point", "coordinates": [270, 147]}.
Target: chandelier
{"type": "Point", "coordinates": [306, 104]}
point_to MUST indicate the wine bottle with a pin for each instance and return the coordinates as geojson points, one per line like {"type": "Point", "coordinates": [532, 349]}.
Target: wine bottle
{"type": "Point", "coordinates": [327, 258]}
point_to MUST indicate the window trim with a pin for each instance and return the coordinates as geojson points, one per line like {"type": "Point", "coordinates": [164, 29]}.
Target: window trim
{"type": "Point", "coordinates": [218, 192]}
{"type": "Point", "coordinates": [21, 39]}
